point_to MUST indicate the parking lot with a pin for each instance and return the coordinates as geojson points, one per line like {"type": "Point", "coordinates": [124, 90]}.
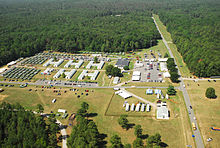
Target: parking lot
{"type": "Point", "coordinates": [150, 72]}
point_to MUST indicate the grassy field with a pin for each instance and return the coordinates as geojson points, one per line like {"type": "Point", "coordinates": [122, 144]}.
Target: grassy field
{"type": "Point", "coordinates": [206, 110]}
{"type": "Point", "coordinates": [99, 101]}
{"type": "Point", "coordinates": [182, 66]}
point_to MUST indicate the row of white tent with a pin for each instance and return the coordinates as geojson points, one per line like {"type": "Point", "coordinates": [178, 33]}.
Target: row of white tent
{"type": "Point", "coordinates": [138, 107]}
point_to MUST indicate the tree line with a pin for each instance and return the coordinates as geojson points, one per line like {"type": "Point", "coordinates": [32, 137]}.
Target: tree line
{"type": "Point", "coordinates": [21, 128]}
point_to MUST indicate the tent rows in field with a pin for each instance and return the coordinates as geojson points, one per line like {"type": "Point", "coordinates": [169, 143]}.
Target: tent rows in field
{"type": "Point", "coordinates": [21, 73]}
{"type": "Point", "coordinates": [35, 60]}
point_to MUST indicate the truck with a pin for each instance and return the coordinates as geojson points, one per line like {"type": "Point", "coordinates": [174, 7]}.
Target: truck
{"type": "Point", "coordinates": [194, 126]}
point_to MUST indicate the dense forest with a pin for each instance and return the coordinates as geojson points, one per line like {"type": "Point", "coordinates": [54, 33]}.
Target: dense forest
{"type": "Point", "coordinates": [20, 128]}
{"type": "Point", "coordinates": [29, 26]}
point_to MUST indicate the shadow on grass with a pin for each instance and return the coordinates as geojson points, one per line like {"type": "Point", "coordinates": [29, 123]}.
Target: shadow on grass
{"type": "Point", "coordinates": [102, 143]}
{"type": "Point", "coordinates": [130, 125]}
{"type": "Point", "coordinates": [145, 136]}
{"type": "Point", "coordinates": [162, 144]}
{"type": "Point", "coordinates": [92, 115]}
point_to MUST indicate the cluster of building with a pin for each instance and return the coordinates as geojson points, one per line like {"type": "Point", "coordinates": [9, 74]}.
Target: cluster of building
{"type": "Point", "coordinates": [69, 75]}
{"type": "Point", "coordinates": [52, 62]}
{"type": "Point", "coordinates": [71, 63]}
{"type": "Point", "coordinates": [92, 76]}
{"type": "Point", "coordinates": [98, 65]}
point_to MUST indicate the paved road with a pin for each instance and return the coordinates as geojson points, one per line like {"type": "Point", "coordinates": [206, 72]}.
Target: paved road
{"type": "Point", "coordinates": [64, 134]}
{"type": "Point", "coordinates": [42, 84]}
{"type": "Point", "coordinates": [198, 137]}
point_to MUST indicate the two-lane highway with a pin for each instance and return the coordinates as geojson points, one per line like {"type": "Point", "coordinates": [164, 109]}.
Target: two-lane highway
{"type": "Point", "coordinates": [198, 137]}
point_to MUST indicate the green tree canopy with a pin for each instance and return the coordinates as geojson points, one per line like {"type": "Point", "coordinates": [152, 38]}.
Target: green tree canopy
{"type": "Point", "coordinates": [210, 93]}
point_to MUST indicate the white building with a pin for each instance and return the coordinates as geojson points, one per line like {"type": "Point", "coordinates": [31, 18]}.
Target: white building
{"type": "Point", "coordinates": [163, 66]}
{"type": "Point", "coordinates": [162, 112]}
{"type": "Point", "coordinates": [58, 74]}
{"type": "Point", "coordinates": [116, 80]}
{"type": "Point", "coordinates": [166, 74]}
{"type": "Point", "coordinates": [48, 71]}
{"type": "Point", "coordinates": [136, 76]}
{"type": "Point", "coordinates": [69, 75]}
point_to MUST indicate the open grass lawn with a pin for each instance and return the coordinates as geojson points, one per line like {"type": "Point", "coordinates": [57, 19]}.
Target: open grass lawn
{"type": "Point", "coordinates": [183, 69]}
{"type": "Point", "coordinates": [207, 110]}
{"type": "Point", "coordinates": [173, 131]}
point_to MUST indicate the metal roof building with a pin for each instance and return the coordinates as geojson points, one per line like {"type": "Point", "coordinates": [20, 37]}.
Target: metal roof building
{"type": "Point", "coordinates": [121, 63]}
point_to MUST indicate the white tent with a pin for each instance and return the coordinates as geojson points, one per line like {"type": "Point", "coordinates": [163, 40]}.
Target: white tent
{"type": "Point", "coordinates": [166, 74]}
{"type": "Point", "coordinates": [142, 107]}
{"type": "Point", "coordinates": [127, 107]}
{"type": "Point", "coordinates": [167, 96]}
{"type": "Point", "coordinates": [133, 107]}
{"type": "Point", "coordinates": [148, 107]}
{"type": "Point", "coordinates": [137, 109]}
{"type": "Point", "coordinates": [123, 94]}
{"type": "Point", "coordinates": [61, 110]}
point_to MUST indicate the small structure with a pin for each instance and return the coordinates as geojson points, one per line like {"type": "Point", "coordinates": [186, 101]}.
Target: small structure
{"type": "Point", "coordinates": [148, 107]}
{"type": "Point", "coordinates": [123, 94]}
{"type": "Point", "coordinates": [62, 111]}
{"type": "Point", "coordinates": [143, 107]}
{"type": "Point", "coordinates": [166, 74]}
{"type": "Point", "coordinates": [2, 70]}
{"type": "Point", "coordinates": [1, 89]}
{"type": "Point", "coordinates": [136, 76]}
{"type": "Point", "coordinates": [162, 59]}
{"type": "Point", "coordinates": [158, 96]}
{"type": "Point", "coordinates": [137, 109]}
{"type": "Point", "coordinates": [133, 107]}
{"type": "Point", "coordinates": [149, 91]}
{"type": "Point", "coordinates": [121, 63]}
{"type": "Point", "coordinates": [54, 100]}
{"type": "Point", "coordinates": [71, 63]}
{"type": "Point", "coordinates": [64, 115]}
{"type": "Point", "coordinates": [116, 80]}
{"type": "Point", "coordinates": [167, 96]}
{"type": "Point", "coordinates": [127, 107]}
{"type": "Point", "coordinates": [157, 91]}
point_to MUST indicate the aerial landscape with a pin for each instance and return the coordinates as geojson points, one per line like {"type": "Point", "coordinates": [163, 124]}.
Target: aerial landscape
{"type": "Point", "coordinates": [110, 73]}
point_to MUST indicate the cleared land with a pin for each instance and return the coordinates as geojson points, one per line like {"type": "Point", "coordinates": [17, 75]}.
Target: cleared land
{"type": "Point", "coordinates": [206, 110]}
{"type": "Point", "coordinates": [171, 130]}
{"type": "Point", "coordinates": [182, 66]}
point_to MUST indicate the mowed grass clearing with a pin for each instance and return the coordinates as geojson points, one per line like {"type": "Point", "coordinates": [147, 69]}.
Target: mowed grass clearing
{"type": "Point", "coordinates": [181, 64]}
{"type": "Point", "coordinates": [206, 110]}
{"type": "Point", "coordinates": [170, 130]}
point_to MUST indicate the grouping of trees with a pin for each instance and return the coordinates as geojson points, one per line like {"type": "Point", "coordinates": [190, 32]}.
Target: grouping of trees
{"type": "Point", "coordinates": [153, 141]}
{"type": "Point", "coordinates": [174, 76]}
{"type": "Point", "coordinates": [113, 71]}
{"type": "Point", "coordinates": [71, 25]}
{"type": "Point", "coordinates": [85, 133]}
{"type": "Point", "coordinates": [171, 90]}
{"type": "Point", "coordinates": [194, 27]}
{"type": "Point", "coordinates": [21, 128]}
{"type": "Point", "coordinates": [210, 93]}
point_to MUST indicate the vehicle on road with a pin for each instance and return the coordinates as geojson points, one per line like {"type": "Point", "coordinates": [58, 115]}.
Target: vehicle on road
{"type": "Point", "coordinates": [194, 126]}
{"type": "Point", "coordinates": [209, 139]}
